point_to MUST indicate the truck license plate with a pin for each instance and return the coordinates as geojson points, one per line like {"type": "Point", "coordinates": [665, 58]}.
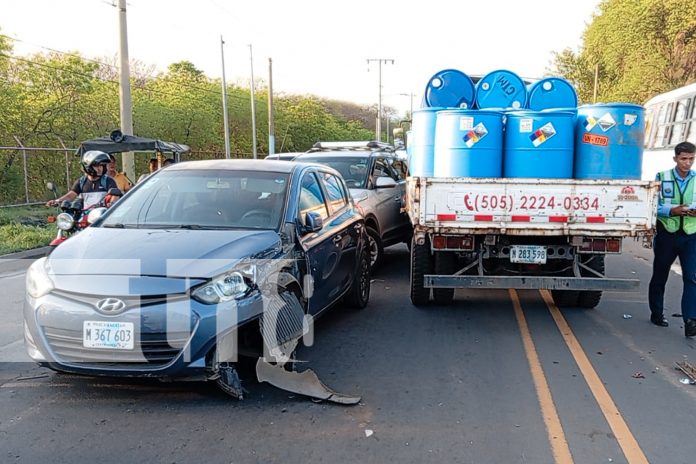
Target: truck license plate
{"type": "Point", "coordinates": [108, 335]}
{"type": "Point", "coordinates": [528, 254]}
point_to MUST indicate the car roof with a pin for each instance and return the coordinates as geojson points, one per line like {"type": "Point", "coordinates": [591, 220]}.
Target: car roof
{"type": "Point", "coordinates": [240, 165]}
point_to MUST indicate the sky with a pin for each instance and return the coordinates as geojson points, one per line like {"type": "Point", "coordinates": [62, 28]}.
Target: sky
{"type": "Point", "coordinates": [317, 47]}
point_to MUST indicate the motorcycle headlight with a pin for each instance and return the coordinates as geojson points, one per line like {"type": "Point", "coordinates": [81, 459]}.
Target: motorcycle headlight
{"type": "Point", "coordinates": [226, 287]}
{"type": "Point", "coordinates": [38, 281]}
{"type": "Point", "coordinates": [64, 221]}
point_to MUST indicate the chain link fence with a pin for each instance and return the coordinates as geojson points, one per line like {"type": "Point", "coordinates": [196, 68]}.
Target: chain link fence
{"type": "Point", "coordinates": [25, 171]}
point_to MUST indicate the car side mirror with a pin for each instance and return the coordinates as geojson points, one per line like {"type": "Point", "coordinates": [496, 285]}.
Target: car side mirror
{"type": "Point", "coordinates": [385, 182]}
{"type": "Point", "coordinates": [313, 222]}
{"type": "Point", "coordinates": [115, 192]}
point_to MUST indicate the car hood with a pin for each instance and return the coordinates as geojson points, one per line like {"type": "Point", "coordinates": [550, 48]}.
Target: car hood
{"type": "Point", "coordinates": [160, 253]}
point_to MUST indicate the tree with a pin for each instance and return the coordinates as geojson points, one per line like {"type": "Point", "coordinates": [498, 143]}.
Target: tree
{"type": "Point", "coordinates": [638, 47]}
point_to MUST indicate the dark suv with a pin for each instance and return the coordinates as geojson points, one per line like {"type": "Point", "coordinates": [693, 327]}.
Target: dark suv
{"type": "Point", "coordinates": [376, 177]}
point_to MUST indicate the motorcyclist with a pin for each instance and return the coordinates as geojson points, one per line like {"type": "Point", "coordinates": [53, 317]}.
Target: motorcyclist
{"type": "Point", "coordinates": [94, 185]}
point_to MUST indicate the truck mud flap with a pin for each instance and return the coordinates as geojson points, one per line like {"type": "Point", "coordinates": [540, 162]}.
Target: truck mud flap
{"type": "Point", "coordinates": [530, 282]}
{"type": "Point", "coordinates": [303, 383]}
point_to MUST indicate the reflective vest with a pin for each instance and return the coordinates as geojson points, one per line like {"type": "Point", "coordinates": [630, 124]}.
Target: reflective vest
{"type": "Point", "coordinates": [670, 194]}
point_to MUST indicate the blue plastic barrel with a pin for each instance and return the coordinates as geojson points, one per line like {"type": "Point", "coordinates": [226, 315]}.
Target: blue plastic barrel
{"type": "Point", "coordinates": [539, 144]}
{"type": "Point", "coordinates": [468, 143]}
{"type": "Point", "coordinates": [501, 89]}
{"type": "Point", "coordinates": [422, 141]}
{"type": "Point", "coordinates": [449, 88]}
{"type": "Point", "coordinates": [551, 93]}
{"type": "Point", "coordinates": [609, 141]}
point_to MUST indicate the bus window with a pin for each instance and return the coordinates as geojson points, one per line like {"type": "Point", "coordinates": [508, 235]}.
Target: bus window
{"type": "Point", "coordinates": [691, 136]}
{"type": "Point", "coordinates": [663, 117]}
{"type": "Point", "coordinates": [681, 117]}
{"type": "Point", "coordinates": [670, 119]}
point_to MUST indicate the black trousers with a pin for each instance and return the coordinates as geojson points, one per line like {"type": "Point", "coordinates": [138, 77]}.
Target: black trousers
{"type": "Point", "coordinates": [667, 247]}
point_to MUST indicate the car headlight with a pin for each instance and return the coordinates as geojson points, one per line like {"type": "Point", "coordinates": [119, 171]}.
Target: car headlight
{"type": "Point", "coordinates": [64, 221]}
{"type": "Point", "coordinates": [226, 287]}
{"type": "Point", "coordinates": [38, 282]}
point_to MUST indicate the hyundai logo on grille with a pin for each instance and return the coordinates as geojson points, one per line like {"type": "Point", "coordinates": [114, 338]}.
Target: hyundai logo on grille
{"type": "Point", "coordinates": [110, 306]}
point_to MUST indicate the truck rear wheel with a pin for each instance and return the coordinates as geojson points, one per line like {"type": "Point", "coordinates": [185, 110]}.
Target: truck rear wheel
{"type": "Point", "coordinates": [444, 265]}
{"type": "Point", "coordinates": [590, 298]}
{"type": "Point", "coordinates": [565, 298]}
{"type": "Point", "coordinates": [421, 264]}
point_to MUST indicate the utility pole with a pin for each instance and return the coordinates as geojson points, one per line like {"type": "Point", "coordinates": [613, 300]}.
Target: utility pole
{"type": "Point", "coordinates": [379, 101]}
{"type": "Point", "coordinates": [253, 105]}
{"type": "Point", "coordinates": [224, 102]}
{"type": "Point", "coordinates": [271, 128]}
{"type": "Point", "coordinates": [126, 105]}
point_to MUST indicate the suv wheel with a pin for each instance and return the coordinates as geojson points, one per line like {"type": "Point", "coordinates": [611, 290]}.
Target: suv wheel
{"type": "Point", "coordinates": [359, 293]}
{"type": "Point", "coordinates": [376, 248]}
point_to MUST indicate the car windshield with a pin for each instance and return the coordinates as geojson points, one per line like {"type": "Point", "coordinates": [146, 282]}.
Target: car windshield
{"type": "Point", "coordinates": [353, 169]}
{"type": "Point", "coordinates": [202, 199]}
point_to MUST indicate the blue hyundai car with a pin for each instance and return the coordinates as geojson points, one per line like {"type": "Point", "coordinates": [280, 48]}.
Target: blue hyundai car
{"type": "Point", "coordinates": [203, 263]}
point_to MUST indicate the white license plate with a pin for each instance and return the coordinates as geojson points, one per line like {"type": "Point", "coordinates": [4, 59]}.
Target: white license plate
{"type": "Point", "coordinates": [108, 335]}
{"type": "Point", "coordinates": [528, 254]}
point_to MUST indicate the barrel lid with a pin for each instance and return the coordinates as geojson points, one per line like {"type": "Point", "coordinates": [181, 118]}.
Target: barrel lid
{"type": "Point", "coordinates": [552, 92]}
{"type": "Point", "coordinates": [469, 112]}
{"type": "Point", "coordinates": [487, 95]}
{"type": "Point", "coordinates": [631, 106]}
{"type": "Point", "coordinates": [570, 112]}
{"type": "Point", "coordinates": [449, 88]}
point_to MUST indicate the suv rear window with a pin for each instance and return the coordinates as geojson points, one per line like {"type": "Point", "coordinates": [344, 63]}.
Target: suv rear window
{"type": "Point", "coordinates": [353, 169]}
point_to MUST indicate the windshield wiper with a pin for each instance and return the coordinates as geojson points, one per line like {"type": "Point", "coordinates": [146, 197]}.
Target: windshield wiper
{"type": "Point", "coordinates": [117, 225]}
{"type": "Point", "coordinates": [188, 226]}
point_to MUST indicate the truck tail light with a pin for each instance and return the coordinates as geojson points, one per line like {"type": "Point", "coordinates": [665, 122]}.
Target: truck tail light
{"type": "Point", "coordinates": [601, 245]}
{"type": "Point", "coordinates": [613, 245]}
{"type": "Point", "coordinates": [460, 242]}
{"type": "Point", "coordinates": [439, 242]}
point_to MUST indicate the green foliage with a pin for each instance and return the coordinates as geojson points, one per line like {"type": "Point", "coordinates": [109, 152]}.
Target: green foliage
{"type": "Point", "coordinates": [638, 47]}
{"type": "Point", "coordinates": [52, 99]}
{"type": "Point", "coordinates": [17, 237]}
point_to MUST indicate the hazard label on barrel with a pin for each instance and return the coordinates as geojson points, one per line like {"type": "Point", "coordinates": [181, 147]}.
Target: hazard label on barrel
{"type": "Point", "coordinates": [592, 139]}
{"type": "Point", "coordinates": [474, 135]}
{"type": "Point", "coordinates": [542, 134]}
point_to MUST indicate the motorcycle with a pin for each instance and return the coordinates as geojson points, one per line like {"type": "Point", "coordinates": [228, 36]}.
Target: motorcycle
{"type": "Point", "coordinates": [74, 217]}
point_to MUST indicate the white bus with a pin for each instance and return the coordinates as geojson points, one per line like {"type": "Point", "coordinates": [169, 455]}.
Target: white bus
{"type": "Point", "coordinates": [670, 118]}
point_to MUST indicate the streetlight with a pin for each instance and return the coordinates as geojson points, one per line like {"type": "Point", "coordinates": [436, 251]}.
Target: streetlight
{"type": "Point", "coordinates": [410, 114]}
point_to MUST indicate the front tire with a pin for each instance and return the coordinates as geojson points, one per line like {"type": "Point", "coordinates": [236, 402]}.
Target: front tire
{"type": "Point", "coordinates": [359, 293]}
{"type": "Point", "coordinates": [376, 248]}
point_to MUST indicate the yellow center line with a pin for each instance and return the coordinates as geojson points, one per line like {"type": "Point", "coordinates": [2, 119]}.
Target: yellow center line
{"type": "Point", "coordinates": [627, 442]}
{"type": "Point", "coordinates": [557, 439]}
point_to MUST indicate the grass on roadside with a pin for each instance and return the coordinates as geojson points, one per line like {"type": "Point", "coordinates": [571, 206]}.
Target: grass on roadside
{"type": "Point", "coordinates": [18, 237]}
{"type": "Point", "coordinates": [27, 215]}
{"type": "Point", "coordinates": [25, 227]}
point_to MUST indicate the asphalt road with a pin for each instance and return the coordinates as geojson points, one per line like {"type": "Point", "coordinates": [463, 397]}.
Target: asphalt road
{"type": "Point", "coordinates": [497, 377]}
